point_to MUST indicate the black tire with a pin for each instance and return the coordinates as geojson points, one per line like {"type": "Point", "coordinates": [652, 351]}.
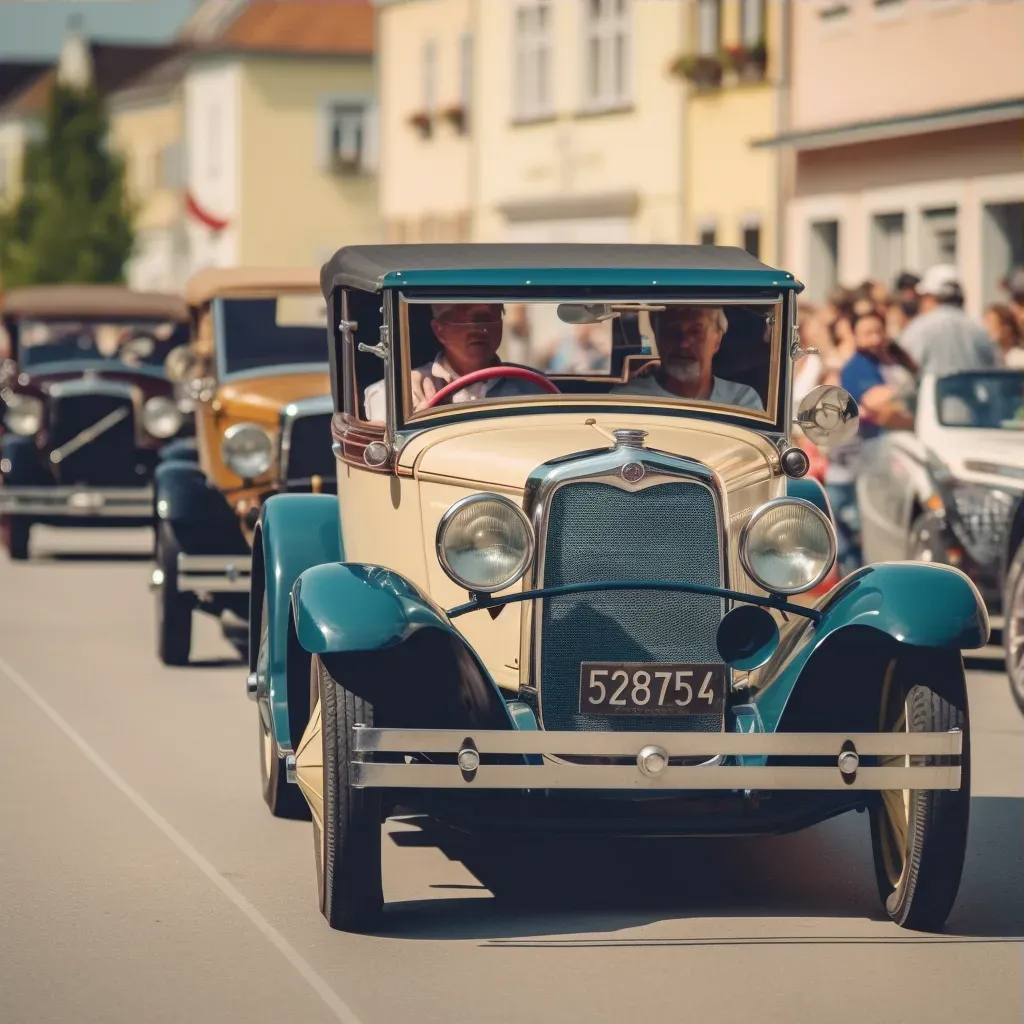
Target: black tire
{"type": "Point", "coordinates": [918, 877]}
{"type": "Point", "coordinates": [348, 853]}
{"type": "Point", "coordinates": [284, 799]}
{"type": "Point", "coordinates": [173, 609]}
{"type": "Point", "coordinates": [923, 540]}
{"type": "Point", "coordinates": [1013, 628]}
{"type": "Point", "coordinates": [18, 529]}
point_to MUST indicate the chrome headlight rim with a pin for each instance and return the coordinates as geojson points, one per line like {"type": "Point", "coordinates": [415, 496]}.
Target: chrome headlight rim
{"type": "Point", "coordinates": [166, 406]}
{"type": "Point", "coordinates": [480, 498]}
{"type": "Point", "coordinates": [19, 405]}
{"type": "Point", "coordinates": [757, 515]}
{"type": "Point", "coordinates": [234, 431]}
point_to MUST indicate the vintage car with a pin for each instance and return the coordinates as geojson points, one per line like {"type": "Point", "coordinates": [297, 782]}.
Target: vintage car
{"type": "Point", "coordinates": [87, 405]}
{"type": "Point", "coordinates": [945, 491]}
{"type": "Point", "coordinates": [552, 599]}
{"type": "Point", "coordinates": [257, 370]}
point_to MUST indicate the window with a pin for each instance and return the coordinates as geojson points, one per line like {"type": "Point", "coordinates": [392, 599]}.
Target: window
{"type": "Point", "coordinates": [1002, 245]}
{"type": "Point", "coordinates": [533, 96]}
{"type": "Point", "coordinates": [606, 55]}
{"type": "Point", "coordinates": [172, 165]}
{"type": "Point", "coordinates": [752, 240]}
{"type": "Point", "coordinates": [707, 234]}
{"type": "Point", "coordinates": [429, 82]}
{"type": "Point", "coordinates": [752, 19]}
{"type": "Point", "coordinates": [938, 237]}
{"type": "Point", "coordinates": [345, 136]}
{"type": "Point", "coordinates": [888, 247]}
{"type": "Point", "coordinates": [823, 259]}
{"type": "Point", "coordinates": [466, 78]}
{"type": "Point", "coordinates": [709, 27]}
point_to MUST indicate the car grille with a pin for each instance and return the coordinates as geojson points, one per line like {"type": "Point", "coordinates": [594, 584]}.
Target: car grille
{"type": "Point", "coordinates": [309, 453]}
{"type": "Point", "coordinates": [109, 460]}
{"type": "Point", "coordinates": [597, 531]}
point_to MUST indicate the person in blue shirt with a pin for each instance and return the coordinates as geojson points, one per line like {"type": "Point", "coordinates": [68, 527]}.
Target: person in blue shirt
{"type": "Point", "coordinates": [880, 377]}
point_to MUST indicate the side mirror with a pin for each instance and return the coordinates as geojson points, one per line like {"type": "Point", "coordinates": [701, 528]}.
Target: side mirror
{"type": "Point", "coordinates": [828, 416]}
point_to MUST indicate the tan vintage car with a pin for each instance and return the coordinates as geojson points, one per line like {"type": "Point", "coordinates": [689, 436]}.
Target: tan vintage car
{"type": "Point", "coordinates": [257, 372]}
{"type": "Point", "coordinates": [556, 589]}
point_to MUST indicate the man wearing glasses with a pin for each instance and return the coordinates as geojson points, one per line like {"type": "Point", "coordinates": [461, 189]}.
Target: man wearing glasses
{"type": "Point", "coordinates": [469, 335]}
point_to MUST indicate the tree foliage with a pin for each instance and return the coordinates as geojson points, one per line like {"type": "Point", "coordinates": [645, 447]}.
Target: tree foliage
{"type": "Point", "coordinates": [73, 219]}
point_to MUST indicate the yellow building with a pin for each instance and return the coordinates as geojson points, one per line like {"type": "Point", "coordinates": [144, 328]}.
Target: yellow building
{"type": "Point", "coordinates": [734, 67]}
{"type": "Point", "coordinates": [531, 120]}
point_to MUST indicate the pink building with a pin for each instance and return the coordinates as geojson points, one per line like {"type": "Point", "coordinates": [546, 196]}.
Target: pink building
{"type": "Point", "coordinates": [903, 135]}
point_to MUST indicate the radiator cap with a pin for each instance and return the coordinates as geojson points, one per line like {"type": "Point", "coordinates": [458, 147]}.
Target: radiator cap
{"type": "Point", "coordinates": [629, 438]}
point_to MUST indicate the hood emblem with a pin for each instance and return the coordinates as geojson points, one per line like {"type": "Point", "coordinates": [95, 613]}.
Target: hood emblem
{"type": "Point", "coordinates": [632, 472]}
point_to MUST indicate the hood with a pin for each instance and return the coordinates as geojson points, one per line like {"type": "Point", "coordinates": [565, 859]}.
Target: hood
{"type": "Point", "coordinates": [993, 457]}
{"type": "Point", "coordinates": [501, 453]}
{"type": "Point", "coordinates": [262, 398]}
{"type": "Point", "coordinates": [91, 374]}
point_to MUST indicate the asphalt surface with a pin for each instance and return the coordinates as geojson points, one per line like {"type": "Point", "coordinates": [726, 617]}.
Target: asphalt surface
{"type": "Point", "coordinates": [142, 879]}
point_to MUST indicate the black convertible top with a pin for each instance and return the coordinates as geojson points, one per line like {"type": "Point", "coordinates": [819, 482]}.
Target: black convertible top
{"type": "Point", "coordinates": [372, 267]}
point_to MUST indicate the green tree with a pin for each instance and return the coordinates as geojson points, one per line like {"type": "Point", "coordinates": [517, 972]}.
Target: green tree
{"type": "Point", "coordinates": [73, 220]}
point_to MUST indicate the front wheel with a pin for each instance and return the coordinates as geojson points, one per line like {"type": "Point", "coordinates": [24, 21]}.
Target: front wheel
{"type": "Point", "coordinates": [173, 609]}
{"type": "Point", "coordinates": [1013, 629]}
{"type": "Point", "coordinates": [919, 837]}
{"type": "Point", "coordinates": [347, 840]}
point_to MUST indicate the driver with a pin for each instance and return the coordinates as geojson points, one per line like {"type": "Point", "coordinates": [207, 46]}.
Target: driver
{"type": "Point", "coordinates": [688, 338]}
{"type": "Point", "coordinates": [469, 335]}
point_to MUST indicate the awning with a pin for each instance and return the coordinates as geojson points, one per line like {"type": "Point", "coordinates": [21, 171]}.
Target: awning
{"type": "Point", "coordinates": [896, 127]}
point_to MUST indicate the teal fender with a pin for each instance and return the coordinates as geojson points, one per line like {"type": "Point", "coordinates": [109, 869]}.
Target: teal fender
{"type": "Point", "coordinates": [294, 532]}
{"type": "Point", "coordinates": [809, 489]}
{"type": "Point", "coordinates": [388, 643]}
{"type": "Point", "coordinates": [872, 616]}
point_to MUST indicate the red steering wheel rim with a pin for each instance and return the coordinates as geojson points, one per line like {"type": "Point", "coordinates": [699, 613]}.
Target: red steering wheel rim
{"type": "Point", "coordinates": [489, 373]}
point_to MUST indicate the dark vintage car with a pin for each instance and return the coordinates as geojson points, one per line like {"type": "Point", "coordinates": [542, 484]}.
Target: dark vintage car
{"type": "Point", "coordinates": [567, 599]}
{"type": "Point", "coordinates": [257, 372]}
{"type": "Point", "coordinates": [87, 405]}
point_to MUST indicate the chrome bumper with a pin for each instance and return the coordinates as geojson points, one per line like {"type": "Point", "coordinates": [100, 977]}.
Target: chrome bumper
{"type": "Point", "coordinates": [650, 755]}
{"type": "Point", "coordinates": [214, 574]}
{"type": "Point", "coordinates": [77, 502]}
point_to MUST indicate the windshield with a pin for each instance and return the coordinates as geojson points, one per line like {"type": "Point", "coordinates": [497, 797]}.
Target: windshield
{"type": "Point", "coordinates": [132, 344]}
{"type": "Point", "coordinates": [642, 352]}
{"type": "Point", "coordinates": [264, 333]}
{"type": "Point", "coordinates": [982, 400]}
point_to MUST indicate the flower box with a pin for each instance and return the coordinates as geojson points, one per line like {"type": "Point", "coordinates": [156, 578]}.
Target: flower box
{"type": "Point", "coordinates": [704, 71]}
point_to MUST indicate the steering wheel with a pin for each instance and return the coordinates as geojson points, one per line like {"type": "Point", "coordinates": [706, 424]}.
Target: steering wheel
{"type": "Point", "coordinates": [489, 373]}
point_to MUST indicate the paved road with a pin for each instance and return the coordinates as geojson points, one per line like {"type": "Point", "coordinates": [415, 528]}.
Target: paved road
{"type": "Point", "coordinates": [141, 878]}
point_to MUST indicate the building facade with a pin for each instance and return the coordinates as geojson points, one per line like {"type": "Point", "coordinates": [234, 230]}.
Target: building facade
{"type": "Point", "coordinates": [904, 125]}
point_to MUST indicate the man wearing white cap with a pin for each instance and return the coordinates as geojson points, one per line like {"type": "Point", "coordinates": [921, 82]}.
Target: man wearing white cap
{"type": "Point", "coordinates": [943, 338]}
{"type": "Point", "coordinates": [469, 335]}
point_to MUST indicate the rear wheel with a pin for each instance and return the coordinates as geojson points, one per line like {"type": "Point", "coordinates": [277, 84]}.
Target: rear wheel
{"type": "Point", "coordinates": [1013, 629]}
{"type": "Point", "coordinates": [173, 609]}
{"type": "Point", "coordinates": [17, 530]}
{"type": "Point", "coordinates": [347, 843]}
{"type": "Point", "coordinates": [924, 541]}
{"type": "Point", "coordinates": [919, 837]}
{"type": "Point", "coordinates": [284, 799]}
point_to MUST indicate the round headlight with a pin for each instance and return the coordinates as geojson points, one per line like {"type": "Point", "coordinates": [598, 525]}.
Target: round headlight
{"type": "Point", "coordinates": [788, 546]}
{"type": "Point", "coordinates": [484, 543]}
{"type": "Point", "coordinates": [247, 450]}
{"type": "Point", "coordinates": [161, 417]}
{"type": "Point", "coordinates": [23, 415]}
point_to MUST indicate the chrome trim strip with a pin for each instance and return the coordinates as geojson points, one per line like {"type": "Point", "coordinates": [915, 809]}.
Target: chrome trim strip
{"type": "Point", "coordinates": [604, 465]}
{"type": "Point", "coordinates": [78, 502]}
{"type": "Point", "coordinates": [364, 775]}
{"type": "Point", "coordinates": [678, 744]}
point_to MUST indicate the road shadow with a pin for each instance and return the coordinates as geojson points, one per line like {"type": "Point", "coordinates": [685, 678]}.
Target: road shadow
{"type": "Point", "coordinates": [976, 664]}
{"type": "Point", "coordinates": [548, 892]}
{"type": "Point", "coordinates": [223, 662]}
{"type": "Point", "coordinates": [94, 556]}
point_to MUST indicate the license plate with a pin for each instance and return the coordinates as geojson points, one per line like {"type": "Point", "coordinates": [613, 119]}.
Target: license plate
{"type": "Point", "coordinates": [644, 688]}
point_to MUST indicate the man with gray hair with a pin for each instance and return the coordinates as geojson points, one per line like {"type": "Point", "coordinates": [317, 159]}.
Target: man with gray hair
{"type": "Point", "coordinates": [943, 339]}
{"type": "Point", "coordinates": [688, 338]}
{"type": "Point", "coordinates": [469, 335]}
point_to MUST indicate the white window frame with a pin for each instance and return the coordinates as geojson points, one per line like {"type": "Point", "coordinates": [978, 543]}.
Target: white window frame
{"type": "Point", "coordinates": [532, 63]}
{"type": "Point", "coordinates": [610, 32]}
{"type": "Point", "coordinates": [365, 162]}
{"type": "Point", "coordinates": [709, 27]}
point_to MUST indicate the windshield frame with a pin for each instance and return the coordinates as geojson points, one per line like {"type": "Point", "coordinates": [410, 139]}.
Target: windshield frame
{"type": "Point", "coordinates": [994, 373]}
{"type": "Point", "coordinates": [218, 313]}
{"type": "Point", "coordinates": [771, 420]}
